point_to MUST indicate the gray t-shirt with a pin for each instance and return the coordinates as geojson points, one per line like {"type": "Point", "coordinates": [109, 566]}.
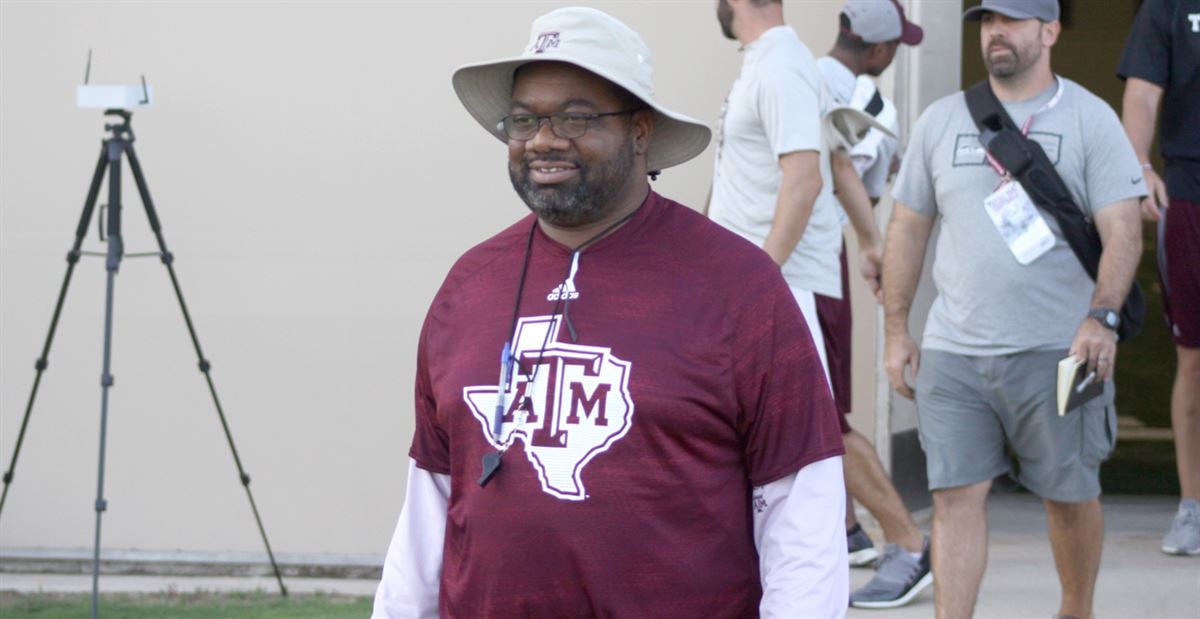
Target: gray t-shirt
{"type": "Point", "coordinates": [775, 108]}
{"type": "Point", "coordinates": [987, 303]}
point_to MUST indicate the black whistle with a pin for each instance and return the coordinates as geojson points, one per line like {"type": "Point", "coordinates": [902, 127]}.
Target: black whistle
{"type": "Point", "coordinates": [491, 464]}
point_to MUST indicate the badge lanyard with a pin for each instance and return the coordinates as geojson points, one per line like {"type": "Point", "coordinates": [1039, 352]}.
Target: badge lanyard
{"type": "Point", "coordinates": [1049, 105]}
{"type": "Point", "coordinates": [1010, 209]}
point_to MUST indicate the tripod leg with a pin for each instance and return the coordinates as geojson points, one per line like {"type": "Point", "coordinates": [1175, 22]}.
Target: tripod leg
{"type": "Point", "coordinates": [89, 207]}
{"type": "Point", "coordinates": [112, 263]}
{"type": "Point", "coordinates": [168, 260]}
{"type": "Point", "coordinates": [106, 382]}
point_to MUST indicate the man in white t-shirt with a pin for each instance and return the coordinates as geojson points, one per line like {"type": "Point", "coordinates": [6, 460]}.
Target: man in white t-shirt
{"type": "Point", "coordinates": [770, 161]}
{"type": "Point", "coordinates": [870, 32]}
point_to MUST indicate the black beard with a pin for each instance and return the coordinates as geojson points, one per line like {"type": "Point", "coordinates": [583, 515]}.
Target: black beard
{"type": "Point", "coordinates": [584, 201]}
{"type": "Point", "coordinates": [1007, 68]}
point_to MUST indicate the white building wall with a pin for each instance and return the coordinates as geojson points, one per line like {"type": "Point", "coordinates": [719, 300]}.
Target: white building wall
{"type": "Point", "coordinates": [316, 177]}
{"type": "Point", "coordinates": [918, 77]}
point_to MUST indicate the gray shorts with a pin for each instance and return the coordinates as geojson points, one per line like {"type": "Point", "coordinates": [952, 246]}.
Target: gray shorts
{"type": "Point", "coordinates": [969, 409]}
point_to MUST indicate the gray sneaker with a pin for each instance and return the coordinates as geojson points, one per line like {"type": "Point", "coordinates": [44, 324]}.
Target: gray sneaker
{"type": "Point", "coordinates": [1184, 536]}
{"type": "Point", "coordinates": [861, 548]}
{"type": "Point", "coordinates": [898, 580]}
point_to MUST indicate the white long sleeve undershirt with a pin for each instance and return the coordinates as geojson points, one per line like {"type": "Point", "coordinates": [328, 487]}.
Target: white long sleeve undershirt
{"type": "Point", "coordinates": [799, 532]}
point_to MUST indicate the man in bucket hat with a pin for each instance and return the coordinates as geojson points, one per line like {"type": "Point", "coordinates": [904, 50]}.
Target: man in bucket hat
{"type": "Point", "coordinates": [661, 442]}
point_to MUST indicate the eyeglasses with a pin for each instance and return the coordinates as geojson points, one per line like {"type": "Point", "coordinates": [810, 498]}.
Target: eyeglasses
{"type": "Point", "coordinates": [566, 125]}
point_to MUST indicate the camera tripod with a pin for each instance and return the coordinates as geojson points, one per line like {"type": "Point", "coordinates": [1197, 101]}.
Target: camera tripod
{"type": "Point", "coordinates": [118, 144]}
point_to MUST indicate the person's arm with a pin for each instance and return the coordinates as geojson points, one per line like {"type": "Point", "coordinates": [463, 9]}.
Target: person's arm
{"type": "Point", "coordinates": [903, 254]}
{"type": "Point", "coordinates": [1121, 235]}
{"type": "Point", "coordinates": [1139, 115]}
{"type": "Point", "coordinates": [798, 190]}
{"type": "Point", "coordinates": [800, 535]}
{"type": "Point", "coordinates": [853, 196]}
{"type": "Point", "coordinates": [413, 568]}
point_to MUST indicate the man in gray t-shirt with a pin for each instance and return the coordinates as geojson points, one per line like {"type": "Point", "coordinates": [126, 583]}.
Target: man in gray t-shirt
{"type": "Point", "coordinates": [1012, 300]}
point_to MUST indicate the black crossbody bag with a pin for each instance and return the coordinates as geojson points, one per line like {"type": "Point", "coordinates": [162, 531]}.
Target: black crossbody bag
{"type": "Point", "coordinates": [1027, 162]}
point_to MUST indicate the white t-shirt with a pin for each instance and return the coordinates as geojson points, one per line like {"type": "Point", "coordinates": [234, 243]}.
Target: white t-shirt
{"type": "Point", "coordinates": [872, 156]}
{"type": "Point", "coordinates": [775, 108]}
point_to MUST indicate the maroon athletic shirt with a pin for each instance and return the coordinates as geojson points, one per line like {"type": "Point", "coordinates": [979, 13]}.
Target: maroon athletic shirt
{"type": "Point", "coordinates": [626, 488]}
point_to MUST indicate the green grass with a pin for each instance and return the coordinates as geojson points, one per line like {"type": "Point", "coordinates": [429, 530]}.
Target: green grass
{"type": "Point", "coordinates": [256, 605]}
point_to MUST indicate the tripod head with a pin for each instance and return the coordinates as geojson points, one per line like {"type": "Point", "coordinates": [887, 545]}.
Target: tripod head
{"type": "Point", "coordinates": [121, 130]}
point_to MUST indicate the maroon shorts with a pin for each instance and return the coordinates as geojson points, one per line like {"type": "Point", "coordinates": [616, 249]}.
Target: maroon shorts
{"type": "Point", "coordinates": [834, 317]}
{"type": "Point", "coordinates": [1179, 270]}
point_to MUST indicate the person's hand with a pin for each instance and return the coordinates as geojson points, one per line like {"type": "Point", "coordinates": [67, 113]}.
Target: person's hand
{"type": "Point", "coordinates": [1096, 344]}
{"type": "Point", "coordinates": [870, 264]}
{"type": "Point", "coordinates": [899, 352]}
{"type": "Point", "coordinates": [1156, 196]}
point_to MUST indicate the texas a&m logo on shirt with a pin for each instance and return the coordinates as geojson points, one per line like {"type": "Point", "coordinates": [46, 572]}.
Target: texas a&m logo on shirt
{"type": "Point", "coordinates": [576, 407]}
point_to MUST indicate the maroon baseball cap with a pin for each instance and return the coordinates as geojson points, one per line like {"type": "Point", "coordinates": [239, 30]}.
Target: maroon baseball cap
{"type": "Point", "coordinates": [880, 21]}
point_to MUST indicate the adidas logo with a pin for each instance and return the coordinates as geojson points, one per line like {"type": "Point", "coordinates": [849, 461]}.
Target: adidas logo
{"type": "Point", "coordinates": [565, 291]}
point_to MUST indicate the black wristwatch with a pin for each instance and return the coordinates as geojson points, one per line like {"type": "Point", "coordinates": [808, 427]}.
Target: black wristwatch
{"type": "Point", "coordinates": [1107, 317]}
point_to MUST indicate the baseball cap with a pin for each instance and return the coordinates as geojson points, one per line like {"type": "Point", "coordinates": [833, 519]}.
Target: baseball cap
{"type": "Point", "coordinates": [880, 21]}
{"type": "Point", "coordinates": [597, 42]}
{"type": "Point", "coordinates": [1045, 10]}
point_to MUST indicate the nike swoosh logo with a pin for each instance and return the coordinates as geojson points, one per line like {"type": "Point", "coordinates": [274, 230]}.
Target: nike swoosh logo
{"type": "Point", "coordinates": [1134, 181]}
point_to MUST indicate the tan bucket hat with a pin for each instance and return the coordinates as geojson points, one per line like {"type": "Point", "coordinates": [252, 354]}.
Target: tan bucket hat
{"type": "Point", "coordinates": [599, 43]}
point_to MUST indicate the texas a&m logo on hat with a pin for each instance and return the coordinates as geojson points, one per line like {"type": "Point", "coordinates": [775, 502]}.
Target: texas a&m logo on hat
{"type": "Point", "coordinates": [545, 41]}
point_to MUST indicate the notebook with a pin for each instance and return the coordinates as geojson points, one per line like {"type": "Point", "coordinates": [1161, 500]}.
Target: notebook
{"type": "Point", "coordinates": [1076, 385]}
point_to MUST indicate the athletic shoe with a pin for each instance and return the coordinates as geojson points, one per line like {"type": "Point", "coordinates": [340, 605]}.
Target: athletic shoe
{"type": "Point", "coordinates": [898, 580]}
{"type": "Point", "coordinates": [1184, 536]}
{"type": "Point", "coordinates": [862, 549]}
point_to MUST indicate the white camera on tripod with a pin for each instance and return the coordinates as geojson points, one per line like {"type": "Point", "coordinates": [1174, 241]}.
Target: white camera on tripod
{"type": "Point", "coordinates": [123, 97]}
{"type": "Point", "coordinates": [120, 97]}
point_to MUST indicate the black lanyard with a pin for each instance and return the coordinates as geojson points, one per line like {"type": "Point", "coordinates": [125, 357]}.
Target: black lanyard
{"type": "Point", "coordinates": [491, 460]}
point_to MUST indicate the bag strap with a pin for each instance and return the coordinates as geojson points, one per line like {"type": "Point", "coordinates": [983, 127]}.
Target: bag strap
{"type": "Point", "coordinates": [985, 108]}
{"type": "Point", "coordinates": [1027, 163]}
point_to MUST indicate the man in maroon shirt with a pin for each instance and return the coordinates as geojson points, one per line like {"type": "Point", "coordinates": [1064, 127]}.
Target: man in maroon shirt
{"type": "Point", "coordinates": [662, 442]}
{"type": "Point", "coordinates": [1159, 66]}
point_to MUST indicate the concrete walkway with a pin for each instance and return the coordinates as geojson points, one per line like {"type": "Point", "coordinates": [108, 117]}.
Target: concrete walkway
{"type": "Point", "coordinates": [1137, 581]}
